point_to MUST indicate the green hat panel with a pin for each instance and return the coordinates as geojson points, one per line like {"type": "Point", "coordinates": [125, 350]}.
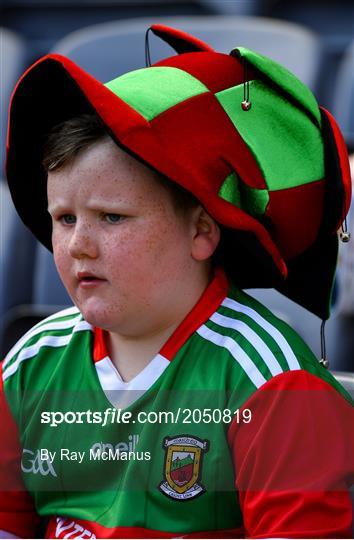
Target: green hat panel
{"type": "Point", "coordinates": [283, 78]}
{"type": "Point", "coordinates": [251, 200]}
{"type": "Point", "coordinates": [151, 91]}
{"type": "Point", "coordinates": [287, 145]}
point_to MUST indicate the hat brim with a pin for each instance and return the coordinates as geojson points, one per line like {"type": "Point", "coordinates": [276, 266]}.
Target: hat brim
{"type": "Point", "coordinates": [311, 275]}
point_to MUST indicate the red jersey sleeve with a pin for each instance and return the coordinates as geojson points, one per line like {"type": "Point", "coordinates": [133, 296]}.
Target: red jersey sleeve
{"type": "Point", "coordinates": [294, 461]}
{"type": "Point", "coordinates": [17, 512]}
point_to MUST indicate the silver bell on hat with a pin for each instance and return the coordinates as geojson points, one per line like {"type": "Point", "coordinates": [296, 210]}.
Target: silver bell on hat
{"type": "Point", "coordinates": [246, 105]}
{"type": "Point", "coordinates": [344, 236]}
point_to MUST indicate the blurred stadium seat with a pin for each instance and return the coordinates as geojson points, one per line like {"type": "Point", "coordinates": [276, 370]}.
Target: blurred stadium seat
{"type": "Point", "coordinates": [110, 49]}
{"type": "Point", "coordinates": [13, 54]}
{"type": "Point", "coordinates": [29, 294]}
{"type": "Point", "coordinates": [6, 210]}
{"type": "Point", "coordinates": [343, 99]}
{"type": "Point", "coordinates": [16, 242]}
{"type": "Point", "coordinates": [332, 22]}
{"type": "Point", "coordinates": [241, 7]}
{"type": "Point", "coordinates": [16, 260]}
{"type": "Point", "coordinates": [44, 22]}
{"type": "Point", "coordinates": [346, 380]}
{"type": "Point", "coordinates": [47, 286]}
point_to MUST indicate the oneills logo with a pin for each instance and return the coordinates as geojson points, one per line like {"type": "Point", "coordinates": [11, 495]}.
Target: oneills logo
{"type": "Point", "coordinates": [183, 467]}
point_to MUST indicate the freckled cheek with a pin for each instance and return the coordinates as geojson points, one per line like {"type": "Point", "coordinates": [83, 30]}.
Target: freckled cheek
{"type": "Point", "coordinates": [119, 257]}
{"type": "Point", "coordinates": [126, 258]}
{"type": "Point", "coordinates": [169, 246]}
{"type": "Point", "coordinates": [62, 259]}
{"type": "Point", "coordinates": [143, 260]}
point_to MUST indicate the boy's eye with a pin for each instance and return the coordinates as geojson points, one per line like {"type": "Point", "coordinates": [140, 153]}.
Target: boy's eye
{"type": "Point", "coordinates": [68, 219]}
{"type": "Point", "coordinates": [113, 218]}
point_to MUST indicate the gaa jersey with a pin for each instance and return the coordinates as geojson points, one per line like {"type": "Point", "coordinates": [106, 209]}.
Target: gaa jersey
{"type": "Point", "coordinates": [233, 429]}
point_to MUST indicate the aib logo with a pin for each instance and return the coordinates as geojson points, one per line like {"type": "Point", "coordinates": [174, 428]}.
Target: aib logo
{"type": "Point", "coordinates": [32, 463]}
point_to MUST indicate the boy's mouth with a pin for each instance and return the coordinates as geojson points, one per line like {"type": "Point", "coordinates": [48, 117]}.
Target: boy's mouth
{"type": "Point", "coordinates": [87, 280]}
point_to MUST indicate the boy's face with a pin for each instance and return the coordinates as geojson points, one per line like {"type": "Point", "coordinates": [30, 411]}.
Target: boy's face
{"type": "Point", "coordinates": [122, 251]}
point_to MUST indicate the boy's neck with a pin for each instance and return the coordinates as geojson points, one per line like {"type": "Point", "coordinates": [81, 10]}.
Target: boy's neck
{"type": "Point", "coordinates": [131, 354]}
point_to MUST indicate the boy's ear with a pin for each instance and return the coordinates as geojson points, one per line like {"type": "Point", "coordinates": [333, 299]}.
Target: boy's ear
{"type": "Point", "coordinates": [206, 235]}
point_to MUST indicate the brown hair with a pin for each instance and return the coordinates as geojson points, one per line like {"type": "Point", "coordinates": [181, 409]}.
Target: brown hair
{"type": "Point", "coordinates": [67, 139]}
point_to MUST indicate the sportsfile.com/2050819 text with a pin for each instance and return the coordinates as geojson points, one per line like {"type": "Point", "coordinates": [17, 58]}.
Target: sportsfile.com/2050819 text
{"type": "Point", "coordinates": [121, 416]}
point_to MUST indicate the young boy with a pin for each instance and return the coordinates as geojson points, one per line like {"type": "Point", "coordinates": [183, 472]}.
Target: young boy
{"type": "Point", "coordinates": [168, 401]}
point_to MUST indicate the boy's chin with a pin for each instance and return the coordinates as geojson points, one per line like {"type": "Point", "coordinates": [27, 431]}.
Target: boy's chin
{"type": "Point", "coordinates": [96, 316]}
{"type": "Point", "coordinates": [100, 317]}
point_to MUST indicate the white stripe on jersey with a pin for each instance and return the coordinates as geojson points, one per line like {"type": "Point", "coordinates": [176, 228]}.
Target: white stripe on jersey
{"type": "Point", "coordinates": [63, 313]}
{"type": "Point", "coordinates": [83, 325]}
{"type": "Point", "coordinates": [37, 329]}
{"type": "Point", "coordinates": [121, 394]}
{"type": "Point", "coordinates": [268, 327]}
{"type": "Point", "coordinates": [236, 351]}
{"type": "Point", "coordinates": [251, 336]}
{"type": "Point", "coordinates": [45, 341]}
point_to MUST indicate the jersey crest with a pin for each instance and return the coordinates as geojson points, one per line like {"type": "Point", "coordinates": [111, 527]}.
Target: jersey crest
{"type": "Point", "coordinates": [183, 467]}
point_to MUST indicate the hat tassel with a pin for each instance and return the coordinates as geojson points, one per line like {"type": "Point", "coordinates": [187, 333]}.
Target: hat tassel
{"type": "Point", "coordinates": [344, 234]}
{"type": "Point", "coordinates": [147, 48]}
{"type": "Point", "coordinates": [324, 362]}
{"type": "Point", "coordinates": [246, 103]}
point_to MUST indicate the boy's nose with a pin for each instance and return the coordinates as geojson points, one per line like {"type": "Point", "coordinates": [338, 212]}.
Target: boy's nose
{"type": "Point", "coordinates": [83, 243]}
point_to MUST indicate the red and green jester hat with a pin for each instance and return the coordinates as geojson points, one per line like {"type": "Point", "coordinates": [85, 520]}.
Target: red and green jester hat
{"type": "Point", "coordinates": [239, 131]}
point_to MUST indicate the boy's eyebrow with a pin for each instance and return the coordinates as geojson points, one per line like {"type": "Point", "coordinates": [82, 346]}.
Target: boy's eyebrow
{"type": "Point", "coordinates": [107, 205]}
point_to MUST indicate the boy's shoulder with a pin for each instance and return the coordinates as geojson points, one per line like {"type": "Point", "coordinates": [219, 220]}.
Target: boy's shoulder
{"type": "Point", "coordinates": [46, 339]}
{"type": "Point", "coordinates": [260, 333]}
{"type": "Point", "coordinates": [260, 346]}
